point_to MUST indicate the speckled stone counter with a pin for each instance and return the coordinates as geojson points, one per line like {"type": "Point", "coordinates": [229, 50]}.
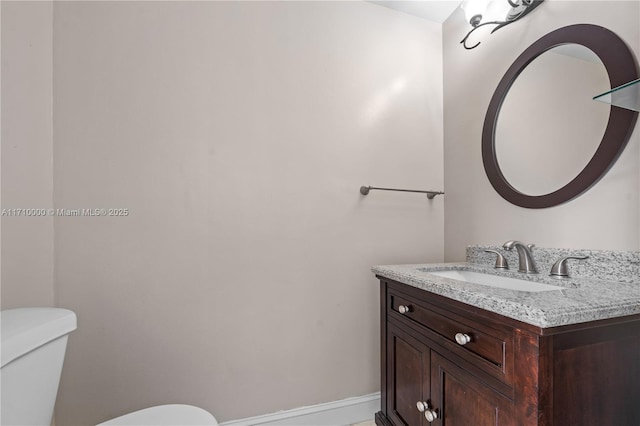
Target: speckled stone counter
{"type": "Point", "coordinates": [581, 299]}
{"type": "Point", "coordinates": [602, 264]}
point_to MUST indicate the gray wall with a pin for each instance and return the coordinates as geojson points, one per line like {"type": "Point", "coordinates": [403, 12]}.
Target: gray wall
{"type": "Point", "coordinates": [606, 217]}
{"type": "Point", "coordinates": [238, 141]}
{"type": "Point", "coordinates": [27, 154]}
{"type": "Point", "coordinates": [237, 134]}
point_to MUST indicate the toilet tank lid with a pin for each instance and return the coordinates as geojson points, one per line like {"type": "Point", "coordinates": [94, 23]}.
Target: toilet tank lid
{"type": "Point", "coordinates": [25, 329]}
{"type": "Point", "coordinates": [165, 415]}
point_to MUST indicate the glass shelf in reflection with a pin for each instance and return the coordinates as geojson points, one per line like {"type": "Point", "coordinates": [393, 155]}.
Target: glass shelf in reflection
{"type": "Point", "coordinates": [625, 96]}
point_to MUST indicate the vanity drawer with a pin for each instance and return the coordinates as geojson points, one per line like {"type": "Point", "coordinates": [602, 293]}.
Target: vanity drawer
{"type": "Point", "coordinates": [473, 338]}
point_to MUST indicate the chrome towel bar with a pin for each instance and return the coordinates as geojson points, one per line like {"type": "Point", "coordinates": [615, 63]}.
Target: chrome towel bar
{"type": "Point", "coordinates": [364, 190]}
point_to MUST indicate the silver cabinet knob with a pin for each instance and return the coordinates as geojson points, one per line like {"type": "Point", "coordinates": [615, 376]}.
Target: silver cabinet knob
{"type": "Point", "coordinates": [430, 415]}
{"type": "Point", "coordinates": [462, 338]}
{"type": "Point", "coordinates": [403, 309]}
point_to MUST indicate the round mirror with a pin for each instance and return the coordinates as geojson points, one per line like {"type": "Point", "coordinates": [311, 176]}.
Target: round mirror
{"type": "Point", "coordinates": [539, 159]}
{"type": "Point", "coordinates": [545, 141]}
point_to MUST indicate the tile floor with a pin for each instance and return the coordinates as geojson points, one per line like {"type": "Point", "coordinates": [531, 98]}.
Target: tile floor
{"type": "Point", "coordinates": [367, 423]}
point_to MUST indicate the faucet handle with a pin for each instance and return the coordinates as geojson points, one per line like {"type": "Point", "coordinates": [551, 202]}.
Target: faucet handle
{"type": "Point", "coordinates": [501, 262]}
{"type": "Point", "coordinates": [560, 268]}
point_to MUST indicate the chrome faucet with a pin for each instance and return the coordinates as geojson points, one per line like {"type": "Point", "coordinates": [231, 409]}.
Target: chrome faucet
{"type": "Point", "coordinates": [526, 264]}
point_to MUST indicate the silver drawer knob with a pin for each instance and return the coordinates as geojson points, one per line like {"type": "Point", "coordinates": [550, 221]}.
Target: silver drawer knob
{"type": "Point", "coordinates": [463, 338]}
{"type": "Point", "coordinates": [422, 406]}
{"type": "Point", "coordinates": [403, 309]}
{"type": "Point", "coordinates": [430, 415]}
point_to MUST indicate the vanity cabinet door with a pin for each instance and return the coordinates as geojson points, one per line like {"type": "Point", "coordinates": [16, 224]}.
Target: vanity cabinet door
{"type": "Point", "coordinates": [408, 377]}
{"type": "Point", "coordinates": [459, 399]}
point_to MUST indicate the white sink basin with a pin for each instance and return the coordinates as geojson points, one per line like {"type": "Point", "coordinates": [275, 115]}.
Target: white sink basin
{"type": "Point", "coordinates": [495, 281]}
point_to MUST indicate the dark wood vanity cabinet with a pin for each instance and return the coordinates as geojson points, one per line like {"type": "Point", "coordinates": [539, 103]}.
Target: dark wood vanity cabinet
{"type": "Point", "coordinates": [448, 363]}
{"type": "Point", "coordinates": [420, 375]}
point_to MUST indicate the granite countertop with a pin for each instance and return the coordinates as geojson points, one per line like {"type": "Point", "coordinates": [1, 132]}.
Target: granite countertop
{"type": "Point", "coordinates": [580, 299]}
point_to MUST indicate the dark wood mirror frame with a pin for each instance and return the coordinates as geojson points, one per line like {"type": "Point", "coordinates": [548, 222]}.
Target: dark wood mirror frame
{"type": "Point", "coordinates": [621, 67]}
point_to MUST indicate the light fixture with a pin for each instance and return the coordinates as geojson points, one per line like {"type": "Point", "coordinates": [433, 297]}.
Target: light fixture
{"type": "Point", "coordinates": [494, 12]}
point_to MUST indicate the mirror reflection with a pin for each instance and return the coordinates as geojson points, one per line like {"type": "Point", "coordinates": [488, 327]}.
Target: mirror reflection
{"type": "Point", "coordinates": [548, 126]}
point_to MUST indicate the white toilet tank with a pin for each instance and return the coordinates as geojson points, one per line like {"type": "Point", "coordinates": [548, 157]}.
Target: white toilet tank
{"type": "Point", "coordinates": [34, 341]}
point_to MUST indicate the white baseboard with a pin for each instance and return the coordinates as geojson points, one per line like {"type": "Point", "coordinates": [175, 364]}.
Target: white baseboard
{"type": "Point", "coordinates": [336, 413]}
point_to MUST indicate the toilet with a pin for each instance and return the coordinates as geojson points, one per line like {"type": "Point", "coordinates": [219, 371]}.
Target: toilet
{"type": "Point", "coordinates": [34, 341]}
